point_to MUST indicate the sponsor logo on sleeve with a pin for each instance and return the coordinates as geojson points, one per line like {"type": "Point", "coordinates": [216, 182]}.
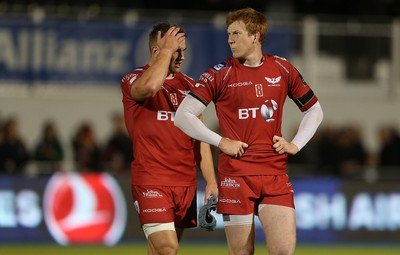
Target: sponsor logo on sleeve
{"type": "Point", "coordinates": [219, 66]}
{"type": "Point", "coordinates": [205, 77]}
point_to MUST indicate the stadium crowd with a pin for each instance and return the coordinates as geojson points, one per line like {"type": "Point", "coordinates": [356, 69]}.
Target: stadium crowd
{"type": "Point", "coordinates": [89, 155]}
{"type": "Point", "coordinates": [341, 151]}
{"type": "Point", "coordinates": [334, 151]}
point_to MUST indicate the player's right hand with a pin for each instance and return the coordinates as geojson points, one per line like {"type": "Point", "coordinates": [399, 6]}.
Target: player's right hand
{"type": "Point", "coordinates": [171, 39]}
{"type": "Point", "coordinates": [232, 148]}
{"type": "Point", "coordinates": [282, 146]}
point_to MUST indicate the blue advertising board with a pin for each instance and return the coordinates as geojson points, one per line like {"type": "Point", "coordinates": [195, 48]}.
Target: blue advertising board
{"type": "Point", "coordinates": [68, 52]}
{"type": "Point", "coordinates": [87, 208]}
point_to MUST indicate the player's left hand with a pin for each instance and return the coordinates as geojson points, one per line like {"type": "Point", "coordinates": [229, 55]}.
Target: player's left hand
{"type": "Point", "coordinates": [211, 190]}
{"type": "Point", "coordinates": [282, 146]}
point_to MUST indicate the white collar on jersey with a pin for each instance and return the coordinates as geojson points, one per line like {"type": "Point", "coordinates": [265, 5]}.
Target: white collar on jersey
{"type": "Point", "coordinates": [261, 62]}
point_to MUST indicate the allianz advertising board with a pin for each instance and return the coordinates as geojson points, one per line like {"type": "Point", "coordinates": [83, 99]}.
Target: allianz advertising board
{"type": "Point", "coordinates": [71, 52]}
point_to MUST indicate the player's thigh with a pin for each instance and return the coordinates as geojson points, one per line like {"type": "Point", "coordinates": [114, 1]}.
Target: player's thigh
{"type": "Point", "coordinates": [240, 233]}
{"type": "Point", "coordinates": [279, 224]}
{"type": "Point", "coordinates": [240, 238]}
{"type": "Point", "coordinates": [164, 241]}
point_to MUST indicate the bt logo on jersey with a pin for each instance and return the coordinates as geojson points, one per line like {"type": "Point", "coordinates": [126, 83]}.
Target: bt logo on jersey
{"type": "Point", "coordinates": [165, 115]}
{"type": "Point", "coordinates": [246, 113]}
{"type": "Point", "coordinates": [266, 110]}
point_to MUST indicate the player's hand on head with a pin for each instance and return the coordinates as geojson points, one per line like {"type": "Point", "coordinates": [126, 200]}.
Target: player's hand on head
{"type": "Point", "coordinates": [171, 39]}
{"type": "Point", "coordinates": [232, 148]}
{"type": "Point", "coordinates": [282, 146]}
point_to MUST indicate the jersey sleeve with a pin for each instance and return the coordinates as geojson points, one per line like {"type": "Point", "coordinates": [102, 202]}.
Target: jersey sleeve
{"type": "Point", "coordinates": [206, 89]}
{"type": "Point", "coordinates": [299, 91]}
{"type": "Point", "coordinates": [127, 82]}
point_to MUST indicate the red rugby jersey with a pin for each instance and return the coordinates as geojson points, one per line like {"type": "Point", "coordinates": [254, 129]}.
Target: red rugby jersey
{"type": "Point", "coordinates": [249, 105]}
{"type": "Point", "coordinates": [163, 154]}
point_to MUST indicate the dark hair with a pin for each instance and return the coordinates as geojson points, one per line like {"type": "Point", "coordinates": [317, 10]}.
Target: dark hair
{"type": "Point", "coordinates": [254, 21]}
{"type": "Point", "coordinates": [163, 27]}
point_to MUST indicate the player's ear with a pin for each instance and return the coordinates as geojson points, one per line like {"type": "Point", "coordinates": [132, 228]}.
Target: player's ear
{"type": "Point", "coordinates": [256, 37]}
{"type": "Point", "coordinates": [155, 50]}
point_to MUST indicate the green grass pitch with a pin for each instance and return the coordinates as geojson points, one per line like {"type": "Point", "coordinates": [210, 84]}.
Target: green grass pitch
{"type": "Point", "coordinates": [191, 249]}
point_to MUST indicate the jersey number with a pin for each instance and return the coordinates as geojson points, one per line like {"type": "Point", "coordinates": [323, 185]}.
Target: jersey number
{"type": "Point", "coordinates": [259, 90]}
{"type": "Point", "coordinates": [174, 98]}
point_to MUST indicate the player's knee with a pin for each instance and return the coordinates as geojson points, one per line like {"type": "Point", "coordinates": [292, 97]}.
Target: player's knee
{"type": "Point", "coordinates": [162, 238]}
{"type": "Point", "coordinates": [241, 249]}
{"type": "Point", "coordinates": [168, 249]}
{"type": "Point", "coordinates": [281, 250]}
{"type": "Point", "coordinates": [248, 249]}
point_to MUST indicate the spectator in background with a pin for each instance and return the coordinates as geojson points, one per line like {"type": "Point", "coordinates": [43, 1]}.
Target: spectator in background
{"type": "Point", "coordinates": [389, 146]}
{"type": "Point", "coordinates": [2, 154]}
{"type": "Point", "coordinates": [13, 153]}
{"type": "Point", "coordinates": [87, 153]}
{"type": "Point", "coordinates": [326, 148]}
{"type": "Point", "coordinates": [49, 152]}
{"type": "Point", "coordinates": [305, 162]}
{"type": "Point", "coordinates": [351, 155]}
{"type": "Point", "coordinates": [118, 154]}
